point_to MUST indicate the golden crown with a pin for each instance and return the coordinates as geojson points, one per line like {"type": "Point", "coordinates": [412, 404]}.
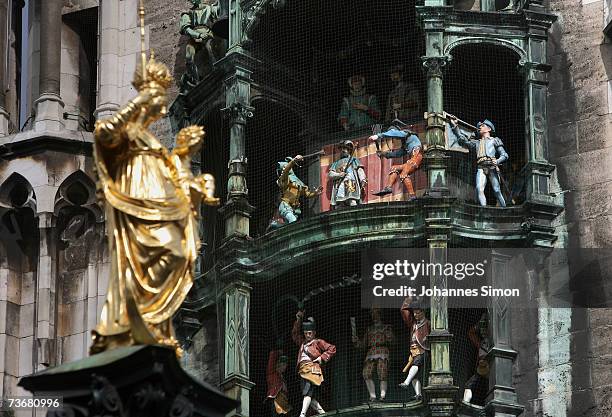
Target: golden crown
{"type": "Point", "coordinates": [156, 73]}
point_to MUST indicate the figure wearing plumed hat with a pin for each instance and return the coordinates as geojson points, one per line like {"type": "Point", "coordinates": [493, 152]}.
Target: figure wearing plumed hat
{"type": "Point", "coordinates": [490, 154]}
{"type": "Point", "coordinates": [312, 353]}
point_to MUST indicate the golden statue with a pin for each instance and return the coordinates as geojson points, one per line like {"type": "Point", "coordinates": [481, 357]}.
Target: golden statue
{"type": "Point", "coordinates": [152, 204]}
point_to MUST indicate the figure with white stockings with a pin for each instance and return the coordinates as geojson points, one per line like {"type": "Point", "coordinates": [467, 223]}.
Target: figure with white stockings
{"type": "Point", "coordinates": [490, 154]}
{"type": "Point", "coordinates": [312, 353]}
{"type": "Point", "coordinates": [478, 384]}
{"type": "Point", "coordinates": [419, 327]}
{"type": "Point", "coordinates": [377, 339]}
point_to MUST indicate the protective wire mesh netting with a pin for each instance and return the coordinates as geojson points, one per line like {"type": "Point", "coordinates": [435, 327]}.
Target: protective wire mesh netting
{"type": "Point", "coordinates": [332, 71]}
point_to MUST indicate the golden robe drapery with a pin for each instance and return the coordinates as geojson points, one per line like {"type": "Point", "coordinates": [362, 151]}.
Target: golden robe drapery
{"type": "Point", "coordinates": [151, 227]}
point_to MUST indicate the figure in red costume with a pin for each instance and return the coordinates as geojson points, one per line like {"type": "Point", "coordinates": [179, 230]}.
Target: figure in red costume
{"type": "Point", "coordinates": [311, 354]}
{"type": "Point", "coordinates": [277, 388]}
{"type": "Point", "coordinates": [419, 326]}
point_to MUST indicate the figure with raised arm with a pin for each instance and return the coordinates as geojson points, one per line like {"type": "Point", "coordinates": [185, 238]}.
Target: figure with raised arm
{"type": "Point", "coordinates": [411, 148]}
{"type": "Point", "coordinates": [151, 201]}
{"type": "Point", "coordinates": [312, 353]}
{"type": "Point", "coordinates": [292, 189]}
{"type": "Point", "coordinates": [275, 378]}
{"type": "Point", "coordinates": [490, 154]}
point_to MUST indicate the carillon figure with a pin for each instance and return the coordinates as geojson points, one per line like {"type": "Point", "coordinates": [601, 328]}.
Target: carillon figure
{"type": "Point", "coordinates": [359, 109]}
{"type": "Point", "coordinates": [403, 102]}
{"type": "Point", "coordinates": [348, 176]}
{"type": "Point", "coordinates": [411, 147]}
{"type": "Point", "coordinates": [420, 327]}
{"type": "Point", "coordinates": [478, 384]}
{"type": "Point", "coordinates": [490, 154]}
{"type": "Point", "coordinates": [291, 188]}
{"type": "Point", "coordinates": [312, 353]}
{"type": "Point", "coordinates": [197, 24]}
{"type": "Point", "coordinates": [277, 387]}
{"type": "Point", "coordinates": [377, 339]}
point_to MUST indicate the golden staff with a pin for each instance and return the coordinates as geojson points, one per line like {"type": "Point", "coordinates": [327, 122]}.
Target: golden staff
{"type": "Point", "coordinates": [143, 55]}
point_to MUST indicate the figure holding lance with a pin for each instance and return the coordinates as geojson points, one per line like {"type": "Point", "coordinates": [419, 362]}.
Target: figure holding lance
{"type": "Point", "coordinates": [348, 176]}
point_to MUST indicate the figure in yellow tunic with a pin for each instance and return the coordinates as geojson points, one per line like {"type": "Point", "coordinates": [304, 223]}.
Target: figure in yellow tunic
{"type": "Point", "coordinates": [151, 211]}
{"type": "Point", "coordinates": [291, 188]}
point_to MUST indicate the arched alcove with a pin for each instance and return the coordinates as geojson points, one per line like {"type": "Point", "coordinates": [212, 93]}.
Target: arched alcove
{"type": "Point", "coordinates": [18, 225]}
{"type": "Point", "coordinates": [483, 81]}
{"type": "Point", "coordinates": [306, 53]}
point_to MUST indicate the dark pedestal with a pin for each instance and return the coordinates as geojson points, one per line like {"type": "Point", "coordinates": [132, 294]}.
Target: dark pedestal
{"type": "Point", "coordinates": [128, 382]}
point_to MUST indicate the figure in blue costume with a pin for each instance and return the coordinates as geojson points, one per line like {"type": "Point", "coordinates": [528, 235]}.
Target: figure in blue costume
{"type": "Point", "coordinates": [348, 176]}
{"type": "Point", "coordinates": [490, 154]}
{"type": "Point", "coordinates": [411, 147]}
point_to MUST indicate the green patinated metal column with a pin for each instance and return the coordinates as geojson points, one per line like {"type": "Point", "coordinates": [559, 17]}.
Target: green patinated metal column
{"type": "Point", "coordinates": [432, 17]}
{"type": "Point", "coordinates": [487, 5]}
{"type": "Point", "coordinates": [235, 303]}
{"type": "Point", "coordinates": [502, 398]}
{"type": "Point", "coordinates": [234, 298]}
{"type": "Point", "coordinates": [439, 392]}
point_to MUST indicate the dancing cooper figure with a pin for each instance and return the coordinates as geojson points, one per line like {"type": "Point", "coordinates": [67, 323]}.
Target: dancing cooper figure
{"type": "Point", "coordinates": [311, 354]}
{"type": "Point", "coordinates": [152, 202]}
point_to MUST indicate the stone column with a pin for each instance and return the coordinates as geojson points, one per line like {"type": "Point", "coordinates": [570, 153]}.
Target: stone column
{"type": "Point", "coordinates": [538, 170]}
{"type": "Point", "coordinates": [501, 399]}
{"type": "Point", "coordinates": [4, 116]}
{"type": "Point", "coordinates": [49, 105]}
{"type": "Point", "coordinates": [45, 293]}
{"type": "Point", "coordinates": [109, 64]}
{"type": "Point", "coordinates": [236, 384]}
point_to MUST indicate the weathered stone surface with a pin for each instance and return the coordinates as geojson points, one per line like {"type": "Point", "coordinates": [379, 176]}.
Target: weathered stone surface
{"type": "Point", "coordinates": [201, 359]}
